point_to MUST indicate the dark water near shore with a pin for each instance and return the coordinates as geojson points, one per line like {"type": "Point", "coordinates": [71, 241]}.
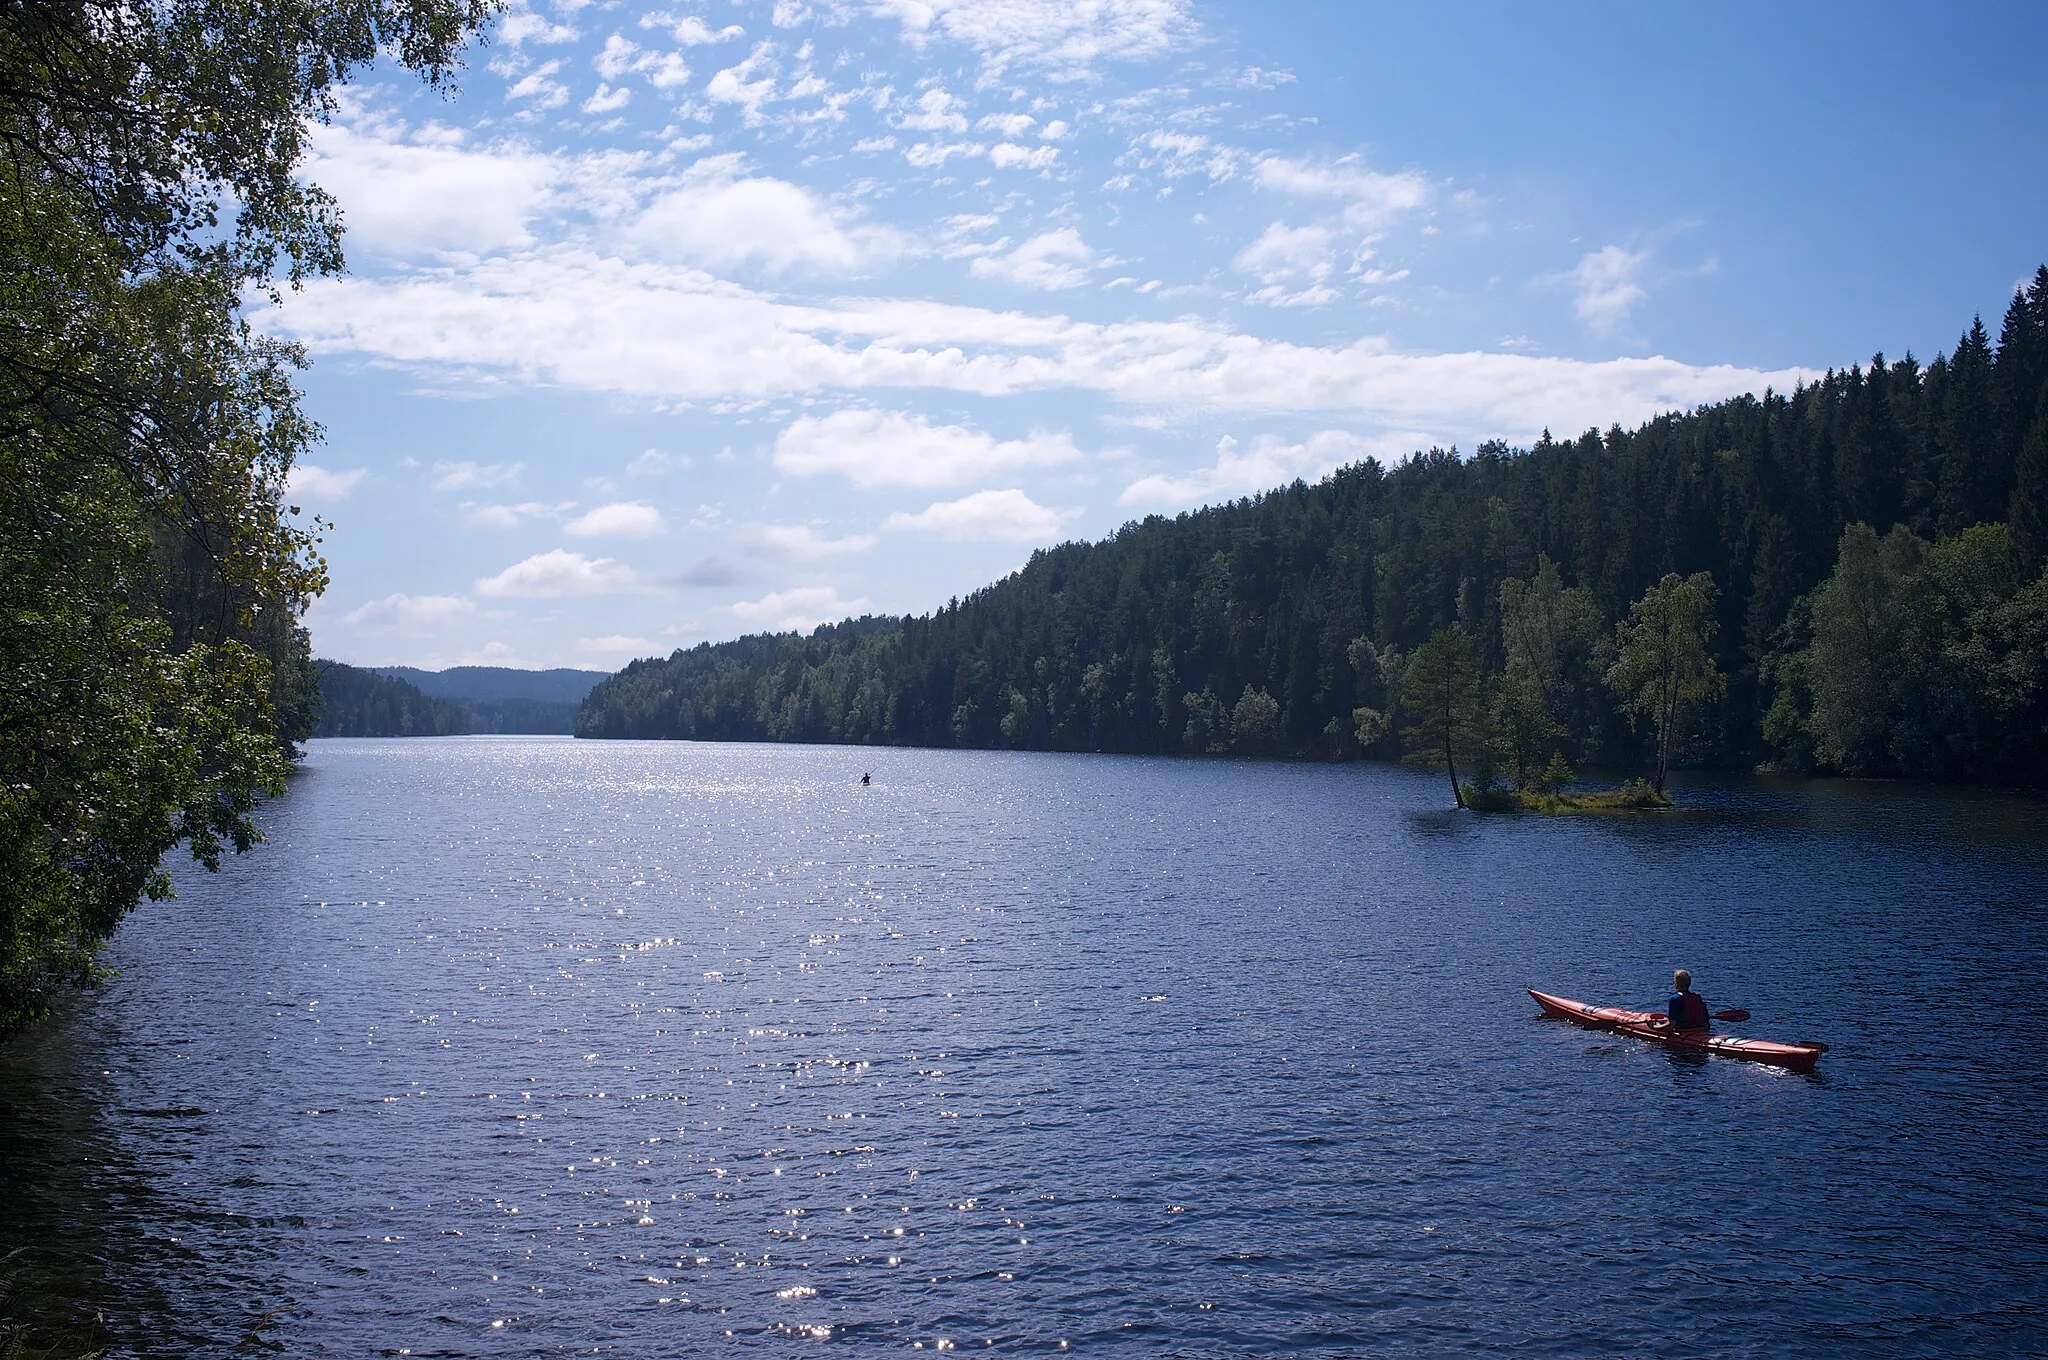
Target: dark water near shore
{"type": "Point", "coordinates": [506, 1047]}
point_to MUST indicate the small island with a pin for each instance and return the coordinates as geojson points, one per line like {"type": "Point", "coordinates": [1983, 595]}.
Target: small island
{"type": "Point", "coordinates": [1634, 796]}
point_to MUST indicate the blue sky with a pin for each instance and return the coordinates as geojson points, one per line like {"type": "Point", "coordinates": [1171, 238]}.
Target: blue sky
{"type": "Point", "coordinates": [687, 321]}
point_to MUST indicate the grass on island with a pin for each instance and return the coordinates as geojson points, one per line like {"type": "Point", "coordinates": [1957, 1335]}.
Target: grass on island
{"type": "Point", "coordinates": [1635, 796]}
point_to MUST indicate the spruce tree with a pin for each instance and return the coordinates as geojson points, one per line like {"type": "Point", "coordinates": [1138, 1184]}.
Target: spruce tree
{"type": "Point", "coordinates": [2029, 518]}
{"type": "Point", "coordinates": [1967, 446]}
{"type": "Point", "coordinates": [2022, 364]}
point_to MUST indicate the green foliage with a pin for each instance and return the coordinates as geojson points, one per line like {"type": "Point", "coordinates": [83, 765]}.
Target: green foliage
{"type": "Point", "coordinates": [1664, 659]}
{"type": "Point", "coordinates": [1556, 776]}
{"type": "Point", "coordinates": [1441, 691]}
{"type": "Point", "coordinates": [1635, 796]}
{"type": "Point", "coordinates": [1558, 638]}
{"type": "Point", "coordinates": [1926, 660]}
{"type": "Point", "coordinates": [1255, 723]}
{"type": "Point", "coordinates": [1379, 671]}
{"type": "Point", "coordinates": [1526, 732]}
{"type": "Point", "coordinates": [360, 703]}
{"type": "Point", "coordinates": [553, 717]}
{"type": "Point", "coordinates": [153, 673]}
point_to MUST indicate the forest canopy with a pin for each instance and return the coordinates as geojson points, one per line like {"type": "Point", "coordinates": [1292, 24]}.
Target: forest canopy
{"type": "Point", "coordinates": [1854, 571]}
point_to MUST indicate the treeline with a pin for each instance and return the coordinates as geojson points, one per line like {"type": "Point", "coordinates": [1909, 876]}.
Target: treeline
{"type": "Point", "coordinates": [355, 702]}
{"type": "Point", "coordinates": [153, 671]}
{"type": "Point", "coordinates": [1278, 625]}
{"type": "Point", "coordinates": [360, 703]}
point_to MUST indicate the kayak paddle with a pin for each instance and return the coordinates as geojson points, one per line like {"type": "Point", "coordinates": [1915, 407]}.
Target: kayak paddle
{"type": "Point", "coordinates": [1733, 1014]}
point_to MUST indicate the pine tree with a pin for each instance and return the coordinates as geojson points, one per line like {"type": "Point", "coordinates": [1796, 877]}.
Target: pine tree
{"type": "Point", "coordinates": [1441, 689]}
{"type": "Point", "coordinates": [1967, 453]}
{"type": "Point", "coordinates": [2022, 364]}
{"type": "Point", "coordinates": [2029, 515]}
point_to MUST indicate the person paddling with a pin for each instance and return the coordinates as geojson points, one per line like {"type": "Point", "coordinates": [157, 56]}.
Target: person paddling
{"type": "Point", "coordinates": [1687, 1009]}
{"type": "Point", "coordinates": [865, 781]}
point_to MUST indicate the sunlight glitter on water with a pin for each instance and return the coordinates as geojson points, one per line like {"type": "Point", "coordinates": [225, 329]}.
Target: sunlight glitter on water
{"type": "Point", "coordinates": [1137, 1055]}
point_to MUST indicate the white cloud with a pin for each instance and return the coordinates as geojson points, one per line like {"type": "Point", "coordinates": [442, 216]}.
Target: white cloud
{"type": "Point", "coordinates": [1063, 38]}
{"type": "Point", "coordinates": [1010, 125]}
{"type": "Point", "coordinates": [691, 31]}
{"type": "Point", "coordinates": [1268, 463]}
{"type": "Point", "coordinates": [621, 519]}
{"type": "Point", "coordinates": [931, 155]}
{"type": "Point", "coordinates": [559, 575]}
{"type": "Point", "coordinates": [431, 194]}
{"type": "Point", "coordinates": [522, 26]}
{"type": "Point", "coordinates": [798, 542]}
{"type": "Point", "coordinates": [468, 476]}
{"type": "Point", "coordinates": [1294, 264]}
{"type": "Point", "coordinates": [888, 448]}
{"type": "Point", "coordinates": [1053, 260]}
{"type": "Point", "coordinates": [410, 613]}
{"type": "Point", "coordinates": [1177, 155]}
{"type": "Point", "coordinates": [318, 486]}
{"type": "Point", "coordinates": [670, 334]}
{"type": "Point", "coordinates": [1283, 252]}
{"type": "Point", "coordinates": [493, 653]}
{"type": "Point", "coordinates": [653, 463]}
{"type": "Point", "coordinates": [749, 83]}
{"type": "Point", "coordinates": [506, 516]}
{"type": "Point", "coordinates": [720, 217]}
{"type": "Point", "coordinates": [1609, 283]}
{"type": "Point", "coordinates": [615, 644]}
{"type": "Point", "coordinates": [935, 111]}
{"type": "Point", "coordinates": [621, 56]}
{"type": "Point", "coordinates": [802, 609]}
{"type": "Point", "coordinates": [618, 56]}
{"type": "Point", "coordinates": [1370, 199]}
{"type": "Point", "coordinates": [1008, 515]}
{"type": "Point", "coordinates": [1010, 156]}
{"type": "Point", "coordinates": [540, 86]}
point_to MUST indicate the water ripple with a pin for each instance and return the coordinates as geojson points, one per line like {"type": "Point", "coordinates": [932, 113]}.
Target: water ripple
{"type": "Point", "coordinates": [511, 1047]}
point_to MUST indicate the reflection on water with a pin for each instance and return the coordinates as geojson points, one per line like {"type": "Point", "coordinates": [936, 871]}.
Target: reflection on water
{"type": "Point", "coordinates": [515, 1047]}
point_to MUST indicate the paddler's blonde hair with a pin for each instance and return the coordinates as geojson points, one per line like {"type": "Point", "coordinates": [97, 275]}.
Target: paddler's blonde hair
{"type": "Point", "coordinates": [1683, 979]}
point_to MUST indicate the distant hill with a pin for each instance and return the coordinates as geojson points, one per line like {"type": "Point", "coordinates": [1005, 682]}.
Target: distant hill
{"type": "Point", "coordinates": [362, 703]}
{"type": "Point", "coordinates": [468, 683]}
{"type": "Point", "coordinates": [496, 699]}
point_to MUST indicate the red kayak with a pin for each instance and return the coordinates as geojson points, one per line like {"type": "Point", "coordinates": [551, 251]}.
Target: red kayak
{"type": "Point", "coordinates": [1652, 1026]}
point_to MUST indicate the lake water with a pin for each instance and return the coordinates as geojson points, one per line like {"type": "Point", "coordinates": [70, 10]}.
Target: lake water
{"type": "Point", "coordinates": [508, 1047]}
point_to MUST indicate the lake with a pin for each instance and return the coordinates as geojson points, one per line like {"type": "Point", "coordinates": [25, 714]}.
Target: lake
{"type": "Point", "coordinates": [508, 1047]}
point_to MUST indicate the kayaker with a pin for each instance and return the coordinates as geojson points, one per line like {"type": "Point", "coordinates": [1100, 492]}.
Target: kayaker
{"type": "Point", "coordinates": [1687, 1009]}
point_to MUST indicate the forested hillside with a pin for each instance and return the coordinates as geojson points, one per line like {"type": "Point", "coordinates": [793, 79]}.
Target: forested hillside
{"type": "Point", "coordinates": [501, 699]}
{"type": "Point", "coordinates": [403, 701]}
{"type": "Point", "coordinates": [1866, 552]}
{"type": "Point", "coordinates": [489, 684]}
{"type": "Point", "coordinates": [362, 703]}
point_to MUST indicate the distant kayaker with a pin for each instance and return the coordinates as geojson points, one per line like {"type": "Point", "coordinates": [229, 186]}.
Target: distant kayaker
{"type": "Point", "coordinates": [865, 781]}
{"type": "Point", "coordinates": [1687, 1008]}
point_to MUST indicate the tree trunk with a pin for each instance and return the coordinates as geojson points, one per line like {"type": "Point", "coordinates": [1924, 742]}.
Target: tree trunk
{"type": "Point", "coordinates": [1666, 717]}
{"type": "Point", "coordinates": [1450, 761]}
